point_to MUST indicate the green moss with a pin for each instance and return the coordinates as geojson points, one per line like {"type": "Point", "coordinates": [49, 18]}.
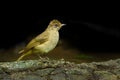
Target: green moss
{"type": "Point", "coordinates": [84, 56]}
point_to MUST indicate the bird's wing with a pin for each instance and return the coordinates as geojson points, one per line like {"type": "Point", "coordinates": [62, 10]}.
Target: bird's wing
{"type": "Point", "coordinates": [40, 39]}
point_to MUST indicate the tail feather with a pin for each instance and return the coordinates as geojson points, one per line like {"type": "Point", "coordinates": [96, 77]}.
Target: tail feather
{"type": "Point", "coordinates": [20, 52]}
{"type": "Point", "coordinates": [24, 55]}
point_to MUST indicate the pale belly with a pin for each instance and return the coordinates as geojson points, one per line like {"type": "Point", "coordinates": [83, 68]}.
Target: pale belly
{"type": "Point", "coordinates": [50, 44]}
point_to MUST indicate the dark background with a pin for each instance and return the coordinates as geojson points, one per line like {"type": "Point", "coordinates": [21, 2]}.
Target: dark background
{"type": "Point", "coordinates": [88, 32]}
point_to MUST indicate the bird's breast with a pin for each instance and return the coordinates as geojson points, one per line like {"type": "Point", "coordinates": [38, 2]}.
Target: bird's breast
{"type": "Point", "coordinates": [50, 44]}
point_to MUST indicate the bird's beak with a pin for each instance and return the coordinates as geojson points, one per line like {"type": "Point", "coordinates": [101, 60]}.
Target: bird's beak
{"type": "Point", "coordinates": [63, 24]}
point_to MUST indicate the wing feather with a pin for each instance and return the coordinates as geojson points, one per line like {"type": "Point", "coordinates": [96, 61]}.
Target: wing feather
{"type": "Point", "coordinates": [40, 39]}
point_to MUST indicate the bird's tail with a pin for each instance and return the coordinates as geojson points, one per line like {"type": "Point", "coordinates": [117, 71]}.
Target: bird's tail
{"type": "Point", "coordinates": [20, 52]}
{"type": "Point", "coordinates": [24, 55]}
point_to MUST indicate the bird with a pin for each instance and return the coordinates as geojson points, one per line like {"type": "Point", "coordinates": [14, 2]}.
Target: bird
{"type": "Point", "coordinates": [44, 42]}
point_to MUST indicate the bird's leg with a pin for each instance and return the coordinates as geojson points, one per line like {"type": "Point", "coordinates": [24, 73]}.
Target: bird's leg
{"type": "Point", "coordinates": [44, 55]}
{"type": "Point", "coordinates": [24, 54]}
{"type": "Point", "coordinates": [39, 56]}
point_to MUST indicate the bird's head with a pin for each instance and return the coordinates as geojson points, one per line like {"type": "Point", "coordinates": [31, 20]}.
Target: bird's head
{"type": "Point", "coordinates": [55, 24]}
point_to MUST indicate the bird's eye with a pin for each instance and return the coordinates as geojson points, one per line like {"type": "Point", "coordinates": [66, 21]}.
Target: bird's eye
{"type": "Point", "coordinates": [56, 25]}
